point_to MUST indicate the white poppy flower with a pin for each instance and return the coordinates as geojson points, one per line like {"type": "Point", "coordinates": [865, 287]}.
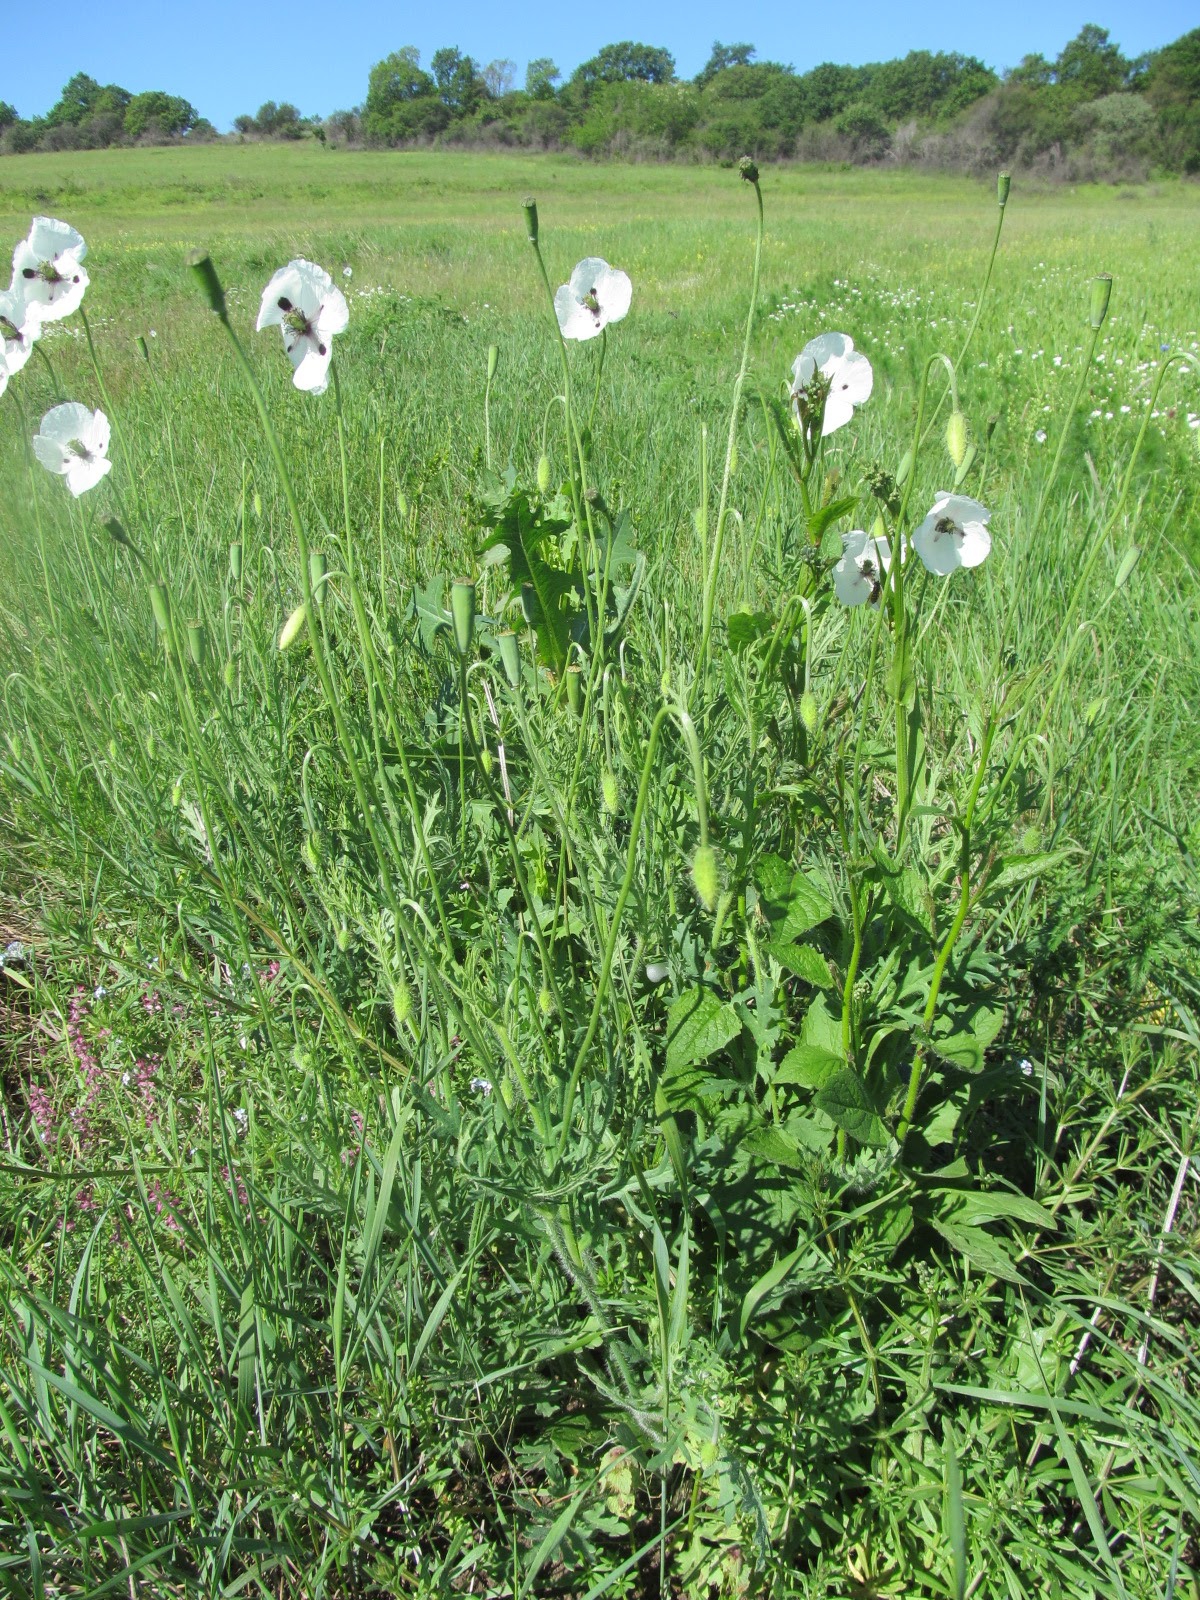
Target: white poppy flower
{"type": "Point", "coordinates": [954, 534]}
{"type": "Point", "coordinates": [19, 327]}
{"type": "Point", "coordinates": [859, 575]}
{"type": "Point", "coordinates": [596, 295]}
{"type": "Point", "coordinates": [73, 442]}
{"type": "Point", "coordinates": [48, 270]}
{"type": "Point", "coordinates": [831, 363]}
{"type": "Point", "coordinates": [303, 301]}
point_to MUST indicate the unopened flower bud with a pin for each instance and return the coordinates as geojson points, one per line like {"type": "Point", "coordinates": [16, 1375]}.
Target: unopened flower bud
{"type": "Point", "coordinates": [462, 608]}
{"type": "Point", "coordinates": [493, 358]}
{"type": "Point", "coordinates": [312, 850]}
{"type": "Point", "coordinates": [575, 690]}
{"type": "Point", "coordinates": [657, 972]}
{"type": "Point", "coordinates": [706, 877]}
{"type": "Point", "coordinates": [1101, 292]}
{"type": "Point", "coordinates": [160, 605]}
{"type": "Point", "coordinates": [317, 568]}
{"type": "Point", "coordinates": [485, 761]}
{"type": "Point", "coordinates": [342, 939]}
{"type": "Point", "coordinates": [905, 467]}
{"type": "Point", "coordinates": [609, 791]}
{"type": "Point", "coordinates": [151, 746]}
{"type": "Point", "coordinates": [229, 673]}
{"type": "Point", "coordinates": [112, 750]}
{"type": "Point", "coordinates": [531, 219]}
{"type": "Point", "coordinates": [545, 1001]}
{"type": "Point", "coordinates": [510, 656]}
{"type": "Point", "coordinates": [956, 437]}
{"type": "Point", "coordinates": [401, 1001]}
{"type": "Point", "coordinates": [543, 474]}
{"type": "Point", "coordinates": [196, 642]}
{"type": "Point", "coordinates": [177, 795]}
{"type": "Point", "coordinates": [1003, 185]}
{"type": "Point", "coordinates": [235, 562]}
{"type": "Point", "coordinates": [291, 628]}
{"type": "Point", "coordinates": [748, 170]}
{"type": "Point", "coordinates": [116, 532]}
{"type": "Point", "coordinates": [210, 285]}
{"type": "Point", "coordinates": [808, 710]}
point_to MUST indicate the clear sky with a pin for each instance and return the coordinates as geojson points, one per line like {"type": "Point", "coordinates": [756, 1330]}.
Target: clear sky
{"type": "Point", "coordinates": [228, 56]}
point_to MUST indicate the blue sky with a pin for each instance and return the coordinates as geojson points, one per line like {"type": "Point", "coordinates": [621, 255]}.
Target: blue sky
{"type": "Point", "coordinates": [228, 56]}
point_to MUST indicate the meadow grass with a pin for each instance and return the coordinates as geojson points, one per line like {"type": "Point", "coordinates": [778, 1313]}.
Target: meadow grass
{"type": "Point", "coordinates": [421, 1176]}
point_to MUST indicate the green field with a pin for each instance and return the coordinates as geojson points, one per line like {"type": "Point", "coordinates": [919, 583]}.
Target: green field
{"type": "Point", "coordinates": [676, 1086]}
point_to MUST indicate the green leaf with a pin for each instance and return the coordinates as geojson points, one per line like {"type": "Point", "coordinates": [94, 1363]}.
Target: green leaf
{"type": "Point", "coordinates": [983, 1250]}
{"type": "Point", "coordinates": [823, 519]}
{"type": "Point", "coordinates": [521, 534]}
{"type": "Point", "coordinates": [809, 1065]}
{"type": "Point", "coordinates": [822, 1030]}
{"type": "Point", "coordinates": [432, 616]}
{"type": "Point", "coordinates": [977, 1205]}
{"type": "Point", "coordinates": [746, 627]}
{"type": "Point", "coordinates": [909, 893]}
{"type": "Point", "coordinates": [845, 1099]}
{"type": "Point", "coordinates": [802, 961]}
{"type": "Point", "coordinates": [770, 1279]}
{"type": "Point", "coordinates": [793, 902]}
{"type": "Point", "coordinates": [698, 1025]}
{"type": "Point", "coordinates": [961, 1050]}
{"type": "Point", "coordinates": [769, 1143]}
{"type": "Point", "coordinates": [1011, 871]}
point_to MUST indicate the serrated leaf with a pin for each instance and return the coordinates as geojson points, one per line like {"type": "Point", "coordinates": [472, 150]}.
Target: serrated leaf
{"type": "Point", "coordinates": [1014, 870]}
{"type": "Point", "coordinates": [523, 531]}
{"type": "Point", "coordinates": [982, 1249]}
{"type": "Point", "coordinates": [821, 1030]}
{"type": "Point", "coordinates": [908, 892]}
{"type": "Point", "coordinates": [802, 961]}
{"type": "Point", "coordinates": [845, 1099]}
{"type": "Point", "coordinates": [698, 1025]}
{"type": "Point", "coordinates": [431, 614]}
{"type": "Point", "coordinates": [794, 903]}
{"type": "Point", "coordinates": [809, 1066]}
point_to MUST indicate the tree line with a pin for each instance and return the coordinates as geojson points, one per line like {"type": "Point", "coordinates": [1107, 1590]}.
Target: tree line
{"type": "Point", "coordinates": [1089, 112]}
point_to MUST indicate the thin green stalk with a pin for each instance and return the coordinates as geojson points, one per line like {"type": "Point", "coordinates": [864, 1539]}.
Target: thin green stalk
{"type": "Point", "coordinates": [109, 410]}
{"type": "Point", "coordinates": [710, 578]}
{"type": "Point", "coordinates": [1084, 373]}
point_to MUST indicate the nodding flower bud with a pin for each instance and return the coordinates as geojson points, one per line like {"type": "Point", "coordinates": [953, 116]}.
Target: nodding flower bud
{"type": "Point", "coordinates": [235, 562]}
{"type": "Point", "coordinates": [160, 605]}
{"type": "Point", "coordinates": [956, 438]}
{"type": "Point", "coordinates": [143, 348]}
{"type": "Point", "coordinates": [116, 532]}
{"type": "Point", "coordinates": [256, 503]}
{"type": "Point", "coordinates": [206, 276]}
{"type": "Point", "coordinates": [543, 474]}
{"type": "Point", "coordinates": [609, 792]}
{"type": "Point", "coordinates": [510, 656]}
{"type": "Point", "coordinates": [229, 673]}
{"type": "Point", "coordinates": [1003, 185]}
{"type": "Point", "coordinates": [531, 218]}
{"type": "Point", "coordinates": [196, 642]}
{"type": "Point", "coordinates": [462, 609]}
{"type": "Point", "coordinates": [493, 358]}
{"type": "Point", "coordinates": [808, 710]}
{"type": "Point", "coordinates": [317, 568]}
{"type": "Point", "coordinates": [706, 877]}
{"type": "Point", "coordinates": [1101, 291]}
{"type": "Point", "coordinates": [291, 628]}
{"type": "Point", "coordinates": [748, 170]}
{"type": "Point", "coordinates": [401, 1001]}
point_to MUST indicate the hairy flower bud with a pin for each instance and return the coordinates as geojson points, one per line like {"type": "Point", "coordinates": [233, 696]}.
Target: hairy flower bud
{"type": "Point", "coordinates": [531, 218]}
{"type": "Point", "coordinates": [706, 877]}
{"type": "Point", "coordinates": [229, 673]}
{"type": "Point", "coordinates": [1003, 185]}
{"type": "Point", "coordinates": [545, 1001]}
{"type": "Point", "coordinates": [196, 642]}
{"type": "Point", "coordinates": [317, 568]}
{"type": "Point", "coordinates": [543, 474]}
{"type": "Point", "coordinates": [1101, 291]}
{"type": "Point", "coordinates": [748, 170]}
{"type": "Point", "coordinates": [609, 791]}
{"type": "Point", "coordinates": [808, 710]}
{"type": "Point", "coordinates": [401, 1001]}
{"type": "Point", "coordinates": [956, 437]}
{"type": "Point", "coordinates": [291, 628]}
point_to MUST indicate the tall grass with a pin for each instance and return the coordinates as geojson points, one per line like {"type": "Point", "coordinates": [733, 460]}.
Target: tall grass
{"type": "Point", "coordinates": [427, 1170]}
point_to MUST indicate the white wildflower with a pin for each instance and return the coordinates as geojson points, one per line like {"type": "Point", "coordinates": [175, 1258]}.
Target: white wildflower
{"type": "Point", "coordinates": [73, 443]}
{"type": "Point", "coordinates": [596, 295]}
{"type": "Point", "coordinates": [302, 300]}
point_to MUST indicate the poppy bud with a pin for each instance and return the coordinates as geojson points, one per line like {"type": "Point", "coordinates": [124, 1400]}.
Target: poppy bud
{"type": "Point", "coordinates": [706, 877]}
{"type": "Point", "coordinates": [543, 474]}
{"type": "Point", "coordinates": [956, 437]}
{"type": "Point", "coordinates": [510, 656]}
{"type": "Point", "coordinates": [257, 504]}
{"type": "Point", "coordinates": [112, 750]}
{"type": "Point", "coordinates": [151, 746]}
{"type": "Point", "coordinates": [342, 939]}
{"type": "Point", "coordinates": [575, 690]}
{"type": "Point", "coordinates": [1101, 291]}
{"type": "Point", "coordinates": [401, 1001]}
{"type": "Point", "coordinates": [177, 795]}
{"type": "Point", "coordinates": [291, 628]}
{"type": "Point", "coordinates": [609, 791]}
{"type": "Point", "coordinates": [485, 761]}
{"type": "Point", "coordinates": [317, 568]}
{"type": "Point", "coordinates": [229, 673]}
{"type": "Point", "coordinates": [657, 972]}
{"type": "Point", "coordinates": [402, 503]}
{"type": "Point", "coordinates": [312, 850]}
{"type": "Point", "coordinates": [1003, 185]}
{"type": "Point", "coordinates": [748, 170]}
{"type": "Point", "coordinates": [160, 605]}
{"type": "Point", "coordinates": [493, 358]}
{"type": "Point", "coordinates": [531, 218]}
{"type": "Point", "coordinates": [195, 638]}
{"type": "Point", "coordinates": [210, 285]}
{"type": "Point", "coordinates": [545, 1001]}
{"type": "Point", "coordinates": [116, 532]}
{"type": "Point", "coordinates": [462, 607]}
{"type": "Point", "coordinates": [905, 467]}
{"type": "Point", "coordinates": [808, 710]}
{"type": "Point", "coordinates": [235, 563]}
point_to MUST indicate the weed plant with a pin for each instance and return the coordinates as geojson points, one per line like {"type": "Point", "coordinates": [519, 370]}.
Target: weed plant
{"type": "Point", "coordinates": [545, 1055]}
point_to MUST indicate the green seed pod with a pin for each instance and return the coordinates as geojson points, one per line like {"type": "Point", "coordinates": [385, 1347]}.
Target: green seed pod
{"type": "Point", "coordinates": [229, 673]}
{"type": "Point", "coordinates": [905, 468]}
{"type": "Point", "coordinates": [543, 473]}
{"type": "Point", "coordinates": [493, 358]}
{"type": "Point", "coordinates": [210, 285]}
{"type": "Point", "coordinates": [609, 791]}
{"type": "Point", "coordinates": [706, 876]}
{"type": "Point", "coordinates": [510, 656]}
{"type": "Point", "coordinates": [575, 690]}
{"type": "Point", "coordinates": [235, 562]}
{"type": "Point", "coordinates": [317, 569]}
{"type": "Point", "coordinates": [531, 218]}
{"type": "Point", "coordinates": [1101, 293]}
{"type": "Point", "coordinates": [402, 503]}
{"type": "Point", "coordinates": [956, 438]}
{"type": "Point", "coordinates": [808, 710]}
{"type": "Point", "coordinates": [1003, 185]}
{"type": "Point", "coordinates": [291, 628]}
{"type": "Point", "coordinates": [462, 608]}
{"type": "Point", "coordinates": [401, 1001]}
{"type": "Point", "coordinates": [196, 643]}
{"type": "Point", "coordinates": [545, 1001]}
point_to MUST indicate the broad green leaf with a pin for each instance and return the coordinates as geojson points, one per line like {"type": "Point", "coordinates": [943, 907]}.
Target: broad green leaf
{"type": "Point", "coordinates": [1011, 871]}
{"type": "Point", "coordinates": [982, 1249]}
{"type": "Point", "coordinates": [974, 1205]}
{"type": "Point", "coordinates": [822, 520]}
{"type": "Point", "coordinates": [431, 614]}
{"type": "Point", "coordinates": [822, 1030]}
{"type": "Point", "coordinates": [772, 1145]}
{"type": "Point", "coordinates": [802, 961]}
{"type": "Point", "coordinates": [810, 1066]}
{"type": "Point", "coordinates": [908, 892]}
{"type": "Point", "coordinates": [794, 902]}
{"type": "Point", "coordinates": [845, 1099]}
{"type": "Point", "coordinates": [962, 1050]}
{"type": "Point", "coordinates": [524, 534]}
{"type": "Point", "coordinates": [770, 1279]}
{"type": "Point", "coordinates": [745, 627]}
{"type": "Point", "coordinates": [698, 1025]}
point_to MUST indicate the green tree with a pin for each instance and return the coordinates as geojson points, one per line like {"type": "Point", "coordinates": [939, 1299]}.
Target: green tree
{"type": "Point", "coordinates": [540, 77]}
{"type": "Point", "coordinates": [625, 63]}
{"type": "Point", "coordinates": [723, 57]}
{"type": "Point", "coordinates": [1090, 66]}
{"type": "Point", "coordinates": [77, 100]}
{"type": "Point", "coordinates": [398, 96]}
{"type": "Point", "coordinates": [1172, 84]}
{"type": "Point", "coordinates": [158, 113]}
{"type": "Point", "coordinates": [458, 81]}
{"type": "Point", "coordinates": [8, 115]}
